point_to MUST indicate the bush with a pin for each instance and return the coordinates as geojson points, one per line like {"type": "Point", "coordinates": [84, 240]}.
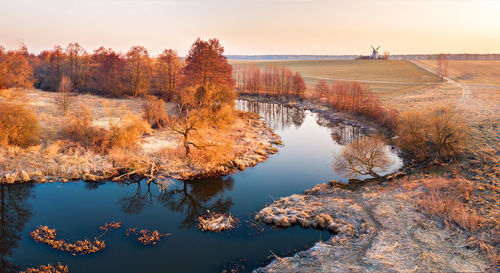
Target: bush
{"type": "Point", "coordinates": [155, 112]}
{"type": "Point", "coordinates": [18, 126]}
{"type": "Point", "coordinates": [123, 134]}
{"type": "Point", "coordinates": [435, 133]}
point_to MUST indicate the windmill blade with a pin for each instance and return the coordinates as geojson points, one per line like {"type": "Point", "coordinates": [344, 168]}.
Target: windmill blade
{"type": "Point", "coordinates": [373, 48]}
{"type": "Point", "coordinates": [378, 47]}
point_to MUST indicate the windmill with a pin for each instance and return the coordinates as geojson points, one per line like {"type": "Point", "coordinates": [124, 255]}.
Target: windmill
{"type": "Point", "coordinates": [375, 53]}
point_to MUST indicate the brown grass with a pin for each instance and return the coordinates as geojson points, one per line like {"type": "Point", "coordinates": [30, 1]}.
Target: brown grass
{"type": "Point", "coordinates": [146, 237]}
{"type": "Point", "coordinates": [59, 268]}
{"type": "Point", "coordinates": [45, 235]}
{"type": "Point", "coordinates": [18, 126]}
{"type": "Point", "coordinates": [446, 198]}
{"type": "Point", "coordinates": [126, 133]}
{"type": "Point", "coordinates": [217, 222]}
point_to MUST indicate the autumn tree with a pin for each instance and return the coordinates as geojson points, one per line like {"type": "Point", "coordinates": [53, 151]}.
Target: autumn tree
{"type": "Point", "coordinates": [139, 70]}
{"type": "Point", "coordinates": [167, 73]}
{"type": "Point", "coordinates": [107, 71]}
{"type": "Point", "coordinates": [206, 65]}
{"type": "Point", "coordinates": [15, 70]}
{"type": "Point", "coordinates": [442, 66]}
{"type": "Point", "coordinates": [63, 100]}
{"type": "Point", "coordinates": [298, 85]}
{"type": "Point", "coordinates": [76, 64]}
{"type": "Point", "coordinates": [322, 89]}
{"type": "Point", "coordinates": [365, 156]}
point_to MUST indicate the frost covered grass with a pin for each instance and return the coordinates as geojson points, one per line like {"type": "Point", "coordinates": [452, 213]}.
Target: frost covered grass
{"type": "Point", "coordinates": [217, 222]}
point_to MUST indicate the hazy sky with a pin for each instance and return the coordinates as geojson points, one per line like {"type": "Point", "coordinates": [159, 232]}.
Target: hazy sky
{"type": "Point", "coordinates": [256, 26]}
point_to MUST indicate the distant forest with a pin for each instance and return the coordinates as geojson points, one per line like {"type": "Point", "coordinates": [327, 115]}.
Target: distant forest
{"type": "Point", "coordinates": [351, 57]}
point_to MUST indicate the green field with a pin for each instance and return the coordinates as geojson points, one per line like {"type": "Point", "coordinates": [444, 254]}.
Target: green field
{"type": "Point", "coordinates": [380, 75]}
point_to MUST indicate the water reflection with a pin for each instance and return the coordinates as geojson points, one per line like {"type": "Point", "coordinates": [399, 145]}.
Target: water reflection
{"type": "Point", "coordinates": [193, 199]}
{"type": "Point", "coordinates": [15, 211]}
{"type": "Point", "coordinates": [277, 115]}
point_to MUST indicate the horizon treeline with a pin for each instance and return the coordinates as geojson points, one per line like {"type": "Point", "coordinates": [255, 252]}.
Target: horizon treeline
{"type": "Point", "coordinates": [112, 73]}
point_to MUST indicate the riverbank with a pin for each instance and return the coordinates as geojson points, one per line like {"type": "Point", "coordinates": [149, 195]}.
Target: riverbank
{"type": "Point", "coordinates": [378, 228]}
{"type": "Point", "coordinates": [157, 154]}
{"type": "Point", "coordinates": [442, 218]}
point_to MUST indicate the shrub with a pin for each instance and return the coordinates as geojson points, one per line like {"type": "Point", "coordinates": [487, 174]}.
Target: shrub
{"type": "Point", "coordinates": [18, 126]}
{"type": "Point", "coordinates": [365, 156]}
{"type": "Point", "coordinates": [435, 133]}
{"type": "Point", "coordinates": [155, 112]}
{"type": "Point", "coordinates": [124, 134]}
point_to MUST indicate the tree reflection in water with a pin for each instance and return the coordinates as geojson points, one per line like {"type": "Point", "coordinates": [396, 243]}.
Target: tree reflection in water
{"type": "Point", "coordinates": [15, 211]}
{"type": "Point", "coordinates": [277, 115]}
{"type": "Point", "coordinates": [280, 117]}
{"type": "Point", "coordinates": [192, 199]}
{"type": "Point", "coordinates": [195, 198]}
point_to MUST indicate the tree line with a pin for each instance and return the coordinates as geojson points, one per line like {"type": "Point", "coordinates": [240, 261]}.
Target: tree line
{"type": "Point", "coordinates": [111, 73]}
{"type": "Point", "coordinates": [272, 81]}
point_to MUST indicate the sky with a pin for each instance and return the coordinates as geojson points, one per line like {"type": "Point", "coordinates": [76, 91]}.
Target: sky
{"type": "Point", "coordinates": [253, 27]}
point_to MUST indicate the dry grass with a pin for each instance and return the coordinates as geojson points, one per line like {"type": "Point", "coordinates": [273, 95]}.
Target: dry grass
{"type": "Point", "coordinates": [59, 268]}
{"type": "Point", "coordinates": [48, 236]}
{"type": "Point", "coordinates": [217, 222]}
{"type": "Point", "coordinates": [470, 72]}
{"type": "Point", "coordinates": [18, 126]}
{"type": "Point", "coordinates": [146, 237]}
{"type": "Point", "coordinates": [126, 133]}
{"type": "Point", "coordinates": [446, 198]}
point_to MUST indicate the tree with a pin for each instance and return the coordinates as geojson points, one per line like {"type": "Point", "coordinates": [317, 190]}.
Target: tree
{"type": "Point", "coordinates": [322, 89]}
{"type": "Point", "coordinates": [443, 66]}
{"type": "Point", "coordinates": [386, 55]}
{"type": "Point", "coordinates": [108, 72]}
{"type": "Point", "coordinates": [298, 85]}
{"type": "Point", "coordinates": [167, 73]}
{"type": "Point", "coordinates": [139, 70]}
{"type": "Point", "coordinates": [15, 70]}
{"type": "Point", "coordinates": [189, 118]}
{"type": "Point", "coordinates": [365, 156]}
{"type": "Point", "coordinates": [64, 98]}
{"type": "Point", "coordinates": [206, 65]}
{"type": "Point", "coordinates": [76, 64]}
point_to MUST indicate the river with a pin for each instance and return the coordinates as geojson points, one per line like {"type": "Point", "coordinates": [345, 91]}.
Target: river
{"type": "Point", "coordinates": [77, 209]}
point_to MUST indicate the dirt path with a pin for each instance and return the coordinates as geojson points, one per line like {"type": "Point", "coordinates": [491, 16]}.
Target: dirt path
{"type": "Point", "coordinates": [368, 81]}
{"type": "Point", "coordinates": [466, 91]}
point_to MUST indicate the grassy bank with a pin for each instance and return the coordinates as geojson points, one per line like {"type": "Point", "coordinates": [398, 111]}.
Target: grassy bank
{"type": "Point", "coordinates": [60, 155]}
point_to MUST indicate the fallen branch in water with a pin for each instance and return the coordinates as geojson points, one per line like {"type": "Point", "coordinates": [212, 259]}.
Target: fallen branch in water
{"type": "Point", "coordinates": [146, 237]}
{"type": "Point", "coordinates": [217, 222]}
{"type": "Point", "coordinates": [109, 226]}
{"type": "Point", "coordinates": [48, 236]}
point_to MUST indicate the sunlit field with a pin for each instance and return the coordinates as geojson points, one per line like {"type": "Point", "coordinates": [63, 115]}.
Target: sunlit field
{"type": "Point", "coordinates": [380, 75]}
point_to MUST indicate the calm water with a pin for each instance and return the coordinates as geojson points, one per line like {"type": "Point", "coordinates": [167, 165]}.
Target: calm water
{"type": "Point", "coordinates": [77, 209]}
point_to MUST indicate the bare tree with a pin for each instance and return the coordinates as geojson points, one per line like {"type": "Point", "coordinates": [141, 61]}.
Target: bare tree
{"type": "Point", "coordinates": [64, 99]}
{"type": "Point", "coordinates": [386, 55]}
{"type": "Point", "coordinates": [365, 156]}
{"type": "Point", "coordinates": [443, 66]}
